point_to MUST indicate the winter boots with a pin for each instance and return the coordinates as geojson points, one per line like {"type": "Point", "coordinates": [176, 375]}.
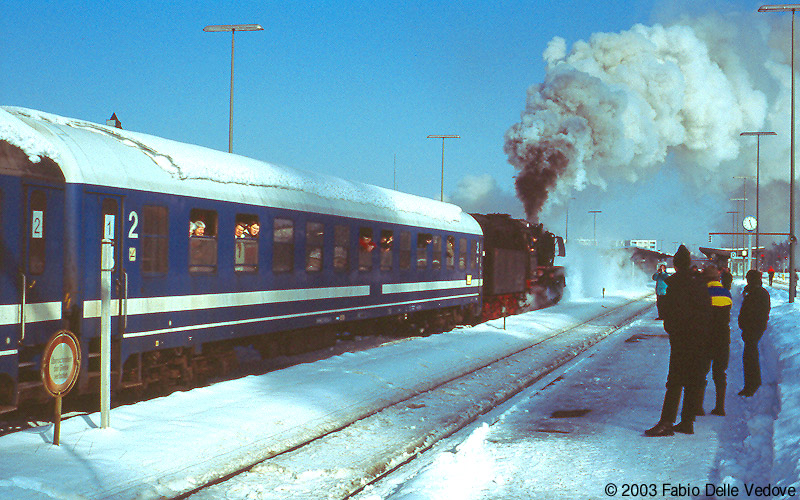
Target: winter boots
{"type": "Point", "coordinates": [660, 429]}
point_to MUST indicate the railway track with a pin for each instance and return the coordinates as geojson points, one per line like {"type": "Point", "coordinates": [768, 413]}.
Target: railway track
{"type": "Point", "coordinates": [341, 463]}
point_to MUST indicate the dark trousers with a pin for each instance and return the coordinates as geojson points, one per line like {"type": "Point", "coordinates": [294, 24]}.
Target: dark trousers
{"type": "Point", "coordinates": [752, 368]}
{"type": "Point", "coordinates": [685, 375]}
{"type": "Point", "coordinates": [659, 301]}
{"type": "Point", "coordinates": [717, 364]}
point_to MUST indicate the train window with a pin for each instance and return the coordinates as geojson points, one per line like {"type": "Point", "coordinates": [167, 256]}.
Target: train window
{"type": "Point", "coordinates": [472, 257]}
{"type": "Point", "coordinates": [462, 253]}
{"type": "Point", "coordinates": [404, 243]}
{"type": "Point", "coordinates": [245, 233]}
{"type": "Point", "coordinates": [436, 260]}
{"type": "Point", "coordinates": [283, 246]}
{"type": "Point", "coordinates": [386, 243]}
{"type": "Point", "coordinates": [315, 237]}
{"type": "Point", "coordinates": [36, 241]}
{"type": "Point", "coordinates": [341, 244]}
{"type": "Point", "coordinates": [423, 240]}
{"type": "Point", "coordinates": [202, 241]}
{"type": "Point", "coordinates": [451, 252]}
{"type": "Point", "coordinates": [366, 244]}
{"type": "Point", "coordinates": [155, 239]}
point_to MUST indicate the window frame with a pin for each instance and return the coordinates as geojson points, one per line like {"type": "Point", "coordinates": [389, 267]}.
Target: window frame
{"type": "Point", "coordinates": [284, 248]}
{"type": "Point", "coordinates": [155, 240]}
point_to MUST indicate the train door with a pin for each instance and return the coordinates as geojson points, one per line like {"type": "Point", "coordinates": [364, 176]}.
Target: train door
{"type": "Point", "coordinates": [103, 220]}
{"type": "Point", "coordinates": [41, 277]}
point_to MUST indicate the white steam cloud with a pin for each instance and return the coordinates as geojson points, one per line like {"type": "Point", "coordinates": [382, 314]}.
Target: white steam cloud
{"type": "Point", "coordinates": [615, 107]}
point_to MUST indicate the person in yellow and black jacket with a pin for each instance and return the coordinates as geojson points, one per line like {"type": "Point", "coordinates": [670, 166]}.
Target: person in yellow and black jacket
{"type": "Point", "coordinates": [718, 351]}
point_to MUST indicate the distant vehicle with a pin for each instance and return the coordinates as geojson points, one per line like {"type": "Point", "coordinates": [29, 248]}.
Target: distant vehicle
{"type": "Point", "coordinates": [212, 251]}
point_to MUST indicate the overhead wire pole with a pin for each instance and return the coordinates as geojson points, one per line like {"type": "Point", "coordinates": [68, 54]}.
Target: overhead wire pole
{"type": "Point", "coordinates": [744, 200]}
{"type": "Point", "coordinates": [443, 137]}
{"type": "Point", "coordinates": [792, 239]}
{"type": "Point", "coordinates": [758, 174]}
{"type": "Point", "coordinates": [594, 213]}
{"type": "Point", "coordinates": [733, 228]}
{"type": "Point", "coordinates": [233, 28]}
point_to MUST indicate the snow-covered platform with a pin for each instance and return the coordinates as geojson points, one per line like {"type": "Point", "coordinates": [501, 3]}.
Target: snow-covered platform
{"type": "Point", "coordinates": [547, 442]}
{"type": "Point", "coordinates": [579, 435]}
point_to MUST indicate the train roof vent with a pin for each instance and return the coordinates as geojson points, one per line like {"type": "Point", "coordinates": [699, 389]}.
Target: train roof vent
{"type": "Point", "coordinates": [114, 121]}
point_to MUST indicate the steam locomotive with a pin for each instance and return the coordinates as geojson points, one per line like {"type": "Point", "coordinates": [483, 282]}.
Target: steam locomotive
{"type": "Point", "coordinates": [210, 251]}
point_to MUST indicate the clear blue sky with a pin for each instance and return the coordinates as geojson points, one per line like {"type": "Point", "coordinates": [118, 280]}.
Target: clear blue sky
{"type": "Point", "coordinates": [340, 87]}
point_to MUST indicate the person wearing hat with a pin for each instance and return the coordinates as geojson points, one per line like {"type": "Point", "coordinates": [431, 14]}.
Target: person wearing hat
{"type": "Point", "coordinates": [718, 353]}
{"type": "Point", "coordinates": [753, 317]}
{"type": "Point", "coordinates": [687, 316]}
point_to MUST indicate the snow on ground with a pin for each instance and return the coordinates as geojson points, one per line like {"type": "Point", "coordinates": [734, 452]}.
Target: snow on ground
{"type": "Point", "coordinates": [581, 436]}
{"type": "Point", "coordinates": [525, 450]}
{"type": "Point", "coordinates": [169, 445]}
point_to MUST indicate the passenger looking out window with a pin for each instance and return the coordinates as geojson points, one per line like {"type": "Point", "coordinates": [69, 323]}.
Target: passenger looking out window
{"type": "Point", "coordinates": [436, 260]}
{"type": "Point", "coordinates": [451, 252]}
{"type": "Point", "coordinates": [386, 243]}
{"type": "Point", "coordinates": [203, 240]}
{"type": "Point", "coordinates": [365, 247]}
{"type": "Point", "coordinates": [197, 228]}
{"type": "Point", "coordinates": [423, 240]}
{"type": "Point", "coordinates": [245, 244]}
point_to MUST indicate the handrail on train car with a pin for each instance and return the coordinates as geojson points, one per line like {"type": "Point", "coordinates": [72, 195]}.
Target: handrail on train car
{"type": "Point", "coordinates": [22, 307]}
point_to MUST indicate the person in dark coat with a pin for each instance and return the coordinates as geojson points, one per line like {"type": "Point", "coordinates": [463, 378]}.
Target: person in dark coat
{"type": "Point", "coordinates": [687, 313]}
{"type": "Point", "coordinates": [718, 354]}
{"type": "Point", "coordinates": [726, 278]}
{"type": "Point", "coordinates": [753, 318]}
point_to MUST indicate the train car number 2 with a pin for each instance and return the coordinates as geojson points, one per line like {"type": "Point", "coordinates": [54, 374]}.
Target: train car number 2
{"type": "Point", "coordinates": [133, 217]}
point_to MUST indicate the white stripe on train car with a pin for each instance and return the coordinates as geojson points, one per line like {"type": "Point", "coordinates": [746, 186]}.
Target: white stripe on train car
{"type": "Point", "coordinates": [428, 286]}
{"type": "Point", "coordinates": [34, 313]}
{"type": "Point", "coordinates": [178, 303]}
{"type": "Point", "coordinates": [287, 316]}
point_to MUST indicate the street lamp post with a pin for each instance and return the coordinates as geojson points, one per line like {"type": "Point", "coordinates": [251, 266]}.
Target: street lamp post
{"type": "Point", "coordinates": [758, 173]}
{"type": "Point", "coordinates": [733, 228]}
{"type": "Point", "coordinates": [792, 238]}
{"type": "Point", "coordinates": [443, 137]}
{"type": "Point", "coordinates": [566, 222]}
{"type": "Point", "coordinates": [594, 213]}
{"type": "Point", "coordinates": [736, 234]}
{"type": "Point", "coordinates": [233, 28]}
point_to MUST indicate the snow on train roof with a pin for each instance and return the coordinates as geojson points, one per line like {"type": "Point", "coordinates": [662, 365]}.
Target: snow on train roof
{"type": "Point", "coordinates": [97, 154]}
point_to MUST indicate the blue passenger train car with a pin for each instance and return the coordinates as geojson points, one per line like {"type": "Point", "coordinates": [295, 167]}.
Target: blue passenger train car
{"type": "Point", "coordinates": [211, 251]}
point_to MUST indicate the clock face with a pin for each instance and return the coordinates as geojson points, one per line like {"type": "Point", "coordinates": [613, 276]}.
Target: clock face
{"type": "Point", "coordinates": [749, 223]}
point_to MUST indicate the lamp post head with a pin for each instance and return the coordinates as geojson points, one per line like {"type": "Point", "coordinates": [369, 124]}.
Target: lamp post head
{"type": "Point", "coordinates": [216, 28]}
{"type": "Point", "coordinates": [779, 8]}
